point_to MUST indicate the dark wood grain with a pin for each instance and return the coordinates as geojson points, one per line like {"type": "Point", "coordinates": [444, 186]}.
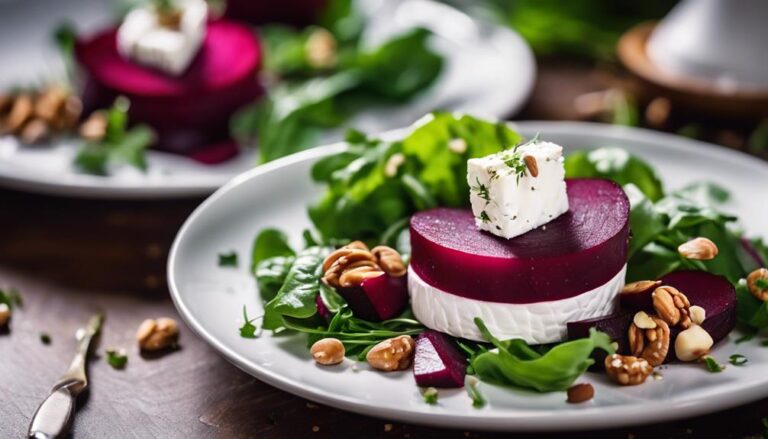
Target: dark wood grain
{"type": "Point", "coordinates": [71, 258]}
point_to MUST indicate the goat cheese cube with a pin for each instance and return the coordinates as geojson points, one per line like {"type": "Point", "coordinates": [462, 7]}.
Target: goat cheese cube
{"type": "Point", "coordinates": [515, 191]}
{"type": "Point", "coordinates": [143, 39]}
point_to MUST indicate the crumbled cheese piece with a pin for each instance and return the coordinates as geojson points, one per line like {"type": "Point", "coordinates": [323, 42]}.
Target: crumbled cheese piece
{"type": "Point", "coordinates": [143, 39]}
{"type": "Point", "coordinates": [507, 200]}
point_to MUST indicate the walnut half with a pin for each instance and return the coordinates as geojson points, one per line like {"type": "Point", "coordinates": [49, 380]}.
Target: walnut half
{"type": "Point", "coordinates": [652, 343]}
{"type": "Point", "coordinates": [627, 370]}
{"type": "Point", "coordinates": [392, 354]}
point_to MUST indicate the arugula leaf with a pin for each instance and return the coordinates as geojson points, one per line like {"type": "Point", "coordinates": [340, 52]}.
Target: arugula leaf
{"type": "Point", "coordinates": [117, 358]}
{"type": "Point", "coordinates": [618, 165]}
{"type": "Point", "coordinates": [119, 145]}
{"type": "Point", "coordinates": [516, 364]}
{"type": "Point", "coordinates": [269, 243]}
{"type": "Point", "coordinates": [296, 298]}
{"type": "Point", "coordinates": [228, 259]}
{"type": "Point", "coordinates": [248, 330]}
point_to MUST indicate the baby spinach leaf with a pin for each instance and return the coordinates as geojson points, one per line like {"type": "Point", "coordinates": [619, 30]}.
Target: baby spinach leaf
{"type": "Point", "coordinates": [516, 364]}
{"type": "Point", "coordinates": [270, 275]}
{"type": "Point", "coordinates": [296, 298]}
{"type": "Point", "coordinates": [618, 165]}
{"type": "Point", "coordinates": [269, 243]}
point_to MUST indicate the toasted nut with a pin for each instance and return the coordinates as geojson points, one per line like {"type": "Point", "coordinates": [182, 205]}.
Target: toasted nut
{"type": "Point", "coordinates": [627, 370]}
{"type": "Point", "coordinates": [393, 164]}
{"type": "Point", "coordinates": [321, 49]}
{"type": "Point", "coordinates": [457, 145]}
{"type": "Point", "coordinates": [35, 131]}
{"type": "Point", "coordinates": [392, 354]}
{"type": "Point", "coordinates": [328, 351]}
{"type": "Point", "coordinates": [21, 112]}
{"type": "Point", "coordinates": [49, 103]}
{"type": "Point", "coordinates": [651, 344]}
{"type": "Point", "coordinates": [640, 286]}
{"type": "Point", "coordinates": [5, 314]}
{"type": "Point", "coordinates": [155, 335]}
{"type": "Point", "coordinates": [533, 167]}
{"type": "Point", "coordinates": [70, 113]}
{"type": "Point", "coordinates": [693, 343]}
{"type": "Point", "coordinates": [95, 127]}
{"type": "Point", "coordinates": [701, 249]}
{"type": "Point", "coordinates": [672, 306]}
{"type": "Point", "coordinates": [698, 314]}
{"type": "Point", "coordinates": [389, 260]}
{"type": "Point", "coordinates": [580, 393]}
{"type": "Point", "coordinates": [643, 321]}
{"type": "Point", "coordinates": [757, 282]}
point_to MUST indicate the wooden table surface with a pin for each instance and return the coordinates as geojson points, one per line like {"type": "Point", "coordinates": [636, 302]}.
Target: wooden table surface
{"type": "Point", "coordinates": [70, 258]}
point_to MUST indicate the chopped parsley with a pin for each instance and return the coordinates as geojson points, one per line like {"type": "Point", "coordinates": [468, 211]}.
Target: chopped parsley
{"type": "Point", "coordinates": [516, 164]}
{"type": "Point", "coordinates": [430, 396]}
{"type": "Point", "coordinates": [762, 284]}
{"type": "Point", "coordinates": [738, 360]}
{"type": "Point", "coordinates": [248, 330]}
{"type": "Point", "coordinates": [745, 337]}
{"type": "Point", "coordinates": [478, 401]}
{"type": "Point", "coordinates": [228, 259]}
{"type": "Point", "coordinates": [45, 338]}
{"type": "Point", "coordinates": [117, 358]}
{"type": "Point", "coordinates": [482, 191]}
{"type": "Point", "coordinates": [484, 217]}
{"type": "Point", "coordinates": [11, 297]}
{"type": "Point", "coordinates": [712, 364]}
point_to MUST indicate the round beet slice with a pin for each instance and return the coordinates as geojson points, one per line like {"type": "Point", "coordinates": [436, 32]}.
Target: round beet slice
{"type": "Point", "coordinates": [577, 252]}
{"type": "Point", "coordinates": [713, 293]}
{"type": "Point", "coordinates": [188, 112]}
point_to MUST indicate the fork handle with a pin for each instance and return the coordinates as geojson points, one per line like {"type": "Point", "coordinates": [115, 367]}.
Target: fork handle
{"type": "Point", "coordinates": [54, 416]}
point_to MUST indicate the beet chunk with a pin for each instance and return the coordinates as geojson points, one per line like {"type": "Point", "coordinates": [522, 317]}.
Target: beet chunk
{"type": "Point", "coordinates": [378, 298]}
{"type": "Point", "coordinates": [438, 362]}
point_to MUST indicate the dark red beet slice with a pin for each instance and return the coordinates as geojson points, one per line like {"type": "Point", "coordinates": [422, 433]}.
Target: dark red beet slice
{"type": "Point", "coordinates": [438, 362]}
{"type": "Point", "coordinates": [190, 111]}
{"type": "Point", "coordinates": [711, 292]}
{"type": "Point", "coordinates": [378, 298]}
{"type": "Point", "coordinates": [295, 12]}
{"type": "Point", "coordinates": [577, 252]}
{"type": "Point", "coordinates": [322, 310]}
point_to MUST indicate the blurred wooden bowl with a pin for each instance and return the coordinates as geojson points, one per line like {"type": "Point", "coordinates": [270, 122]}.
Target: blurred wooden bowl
{"type": "Point", "coordinates": [693, 94]}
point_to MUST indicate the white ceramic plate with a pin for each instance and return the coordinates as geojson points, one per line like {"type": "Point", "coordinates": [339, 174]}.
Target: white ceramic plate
{"type": "Point", "coordinates": [211, 299]}
{"type": "Point", "coordinates": [489, 70]}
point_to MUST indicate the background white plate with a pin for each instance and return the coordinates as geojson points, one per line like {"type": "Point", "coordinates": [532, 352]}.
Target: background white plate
{"type": "Point", "coordinates": [211, 299]}
{"type": "Point", "coordinates": [489, 70]}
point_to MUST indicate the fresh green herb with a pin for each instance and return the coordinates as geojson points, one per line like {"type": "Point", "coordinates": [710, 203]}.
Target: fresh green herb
{"type": "Point", "coordinates": [482, 191]}
{"type": "Point", "coordinates": [517, 364]}
{"type": "Point", "coordinates": [470, 383]}
{"type": "Point", "coordinates": [515, 162]}
{"type": "Point", "coordinates": [45, 338]}
{"type": "Point", "coordinates": [484, 217]}
{"type": "Point", "coordinates": [65, 38]}
{"type": "Point", "coordinates": [745, 338]}
{"type": "Point", "coordinates": [296, 298]}
{"type": "Point", "coordinates": [712, 365]}
{"type": "Point", "coordinates": [120, 145]}
{"type": "Point", "coordinates": [117, 358]}
{"type": "Point", "coordinates": [11, 297]}
{"type": "Point", "coordinates": [430, 396]}
{"type": "Point", "coordinates": [248, 330]}
{"type": "Point", "coordinates": [738, 360]}
{"type": "Point", "coordinates": [270, 275]}
{"type": "Point", "coordinates": [269, 243]}
{"type": "Point", "coordinates": [228, 259]}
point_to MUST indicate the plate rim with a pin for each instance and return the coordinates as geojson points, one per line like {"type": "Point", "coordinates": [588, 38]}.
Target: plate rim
{"type": "Point", "coordinates": [588, 418]}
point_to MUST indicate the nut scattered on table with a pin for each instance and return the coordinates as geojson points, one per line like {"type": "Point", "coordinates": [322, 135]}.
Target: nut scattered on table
{"type": "Point", "coordinates": [328, 351]}
{"type": "Point", "coordinates": [701, 249]}
{"type": "Point", "coordinates": [757, 282]}
{"type": "Point", "coordinates": [627, 370]}
{"type": "Point", "coordinates": [693, 343]}
{"type": "Point", "coordinates": [392, 354]}
{"type": "Point", "coordinates": [156, 335]}
{"type": "Point", "coordinates": [5, 314]}
{"type": "Point", "coordinates": [580, 393]}
{"type": "Point", "coordinates": [650, 344]}
{"type": "Point", "coordinates": [672, 306]}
